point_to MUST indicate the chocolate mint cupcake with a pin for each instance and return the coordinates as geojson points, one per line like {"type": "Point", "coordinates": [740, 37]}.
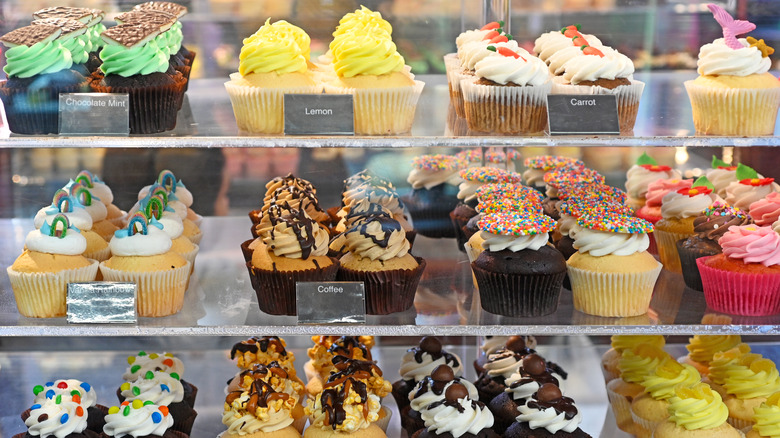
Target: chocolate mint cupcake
{"type": "Point", "coordinates": [92, 19]}
{"type": "Point", "coordinates": [552, 415]}
{"type": "Point", "coordinates": [39, 68]}
{"type": "Point", "coordinates": [181, 57]}
{"type": "Point", "coordinates": [133, 63]}
{"type": "Point", "coordinates": [709, 226]}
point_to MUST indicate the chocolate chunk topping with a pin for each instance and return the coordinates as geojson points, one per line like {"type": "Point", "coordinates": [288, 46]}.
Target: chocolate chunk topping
{"type": "Point", "coordinates": [172, 8]}
{"type": "Point", "coordinates": [80, 14]}
{"type": "Point", "coordinates": [548, 393]}
{"type": "Point", "coordinates": [43, 417]}
{"type": "Point", "coordinates": [130, 35]}
{"type": "Point", "coordinates": [431, 345]}
{"type": "Point", "coordinates": [159, 18]}
{"type": "Point", "coordinates": [534, 365]}
{"type": "Point", "coordinates": [67, 25]}
{"type": "Point", "coordinates": [442, 373]}
{"type": "Point", "coordinates": [455, 392]}
{"type": "Point", "coordinates": [31, 35]}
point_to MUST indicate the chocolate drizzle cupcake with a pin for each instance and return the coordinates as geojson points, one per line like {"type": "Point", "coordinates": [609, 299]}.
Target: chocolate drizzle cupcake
{"type": "Point", "coordinates": [500, 366]}
{"type": "Point", "coordinates": [708, 227]}
{"type": "Point", "coordinates": [547, 414]}
{"type": "Point", "coordinates": [418, 363]}
{"type": "Point", "coordinates": [431, 389]}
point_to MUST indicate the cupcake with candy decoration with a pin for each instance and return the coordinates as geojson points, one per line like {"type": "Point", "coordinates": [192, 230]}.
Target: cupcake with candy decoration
{"type": "Point", "coordinates": [70, 207]}
{"type": "Point", "coordinates": [165, 390]}
{"type": "Point", "coordinates": [474, 178]}
{"type": "Point", "coordinates": [749, 188]}
{"type": "Point", "coordinates": [708, 227]}
{"type": "Point", "coordinates": [53, 258]}
{"type": "Point", "coordinates": [141, 254]}
{"type": "Point", "coordinates": [745, 278]}
{"type": "Point", "coordinates": [572, 209]}
{"type": "Point", "coordinates": [612, 274]}
{"type": "Point", "coordinates": [155, 207]}
{"type": "Point", "coordinates": [679, 209]}
{"type": "Point", "coordinates": [491, 344]}
{"type": "Point", "coordinates": [641, 175]}
{"type": "Point", "coordinates": [562, 178]}
{"type": "Point", "coordinates": [735, 94]}
{"type": "Point", "coordinates": [96, 209]}
{"type": "Point", "coordinates": [176, 191]}
{"type": "Point", "coordinates": [519, 273]}
{"type": "Point", "coordinates": [419, 362]}
{"type": "Point", "coordinates": [142, 362]}
{"type": "Point", "coordinates": [434, 180]}
{"type": "Point", "coordinates": [58, 416]}
{"type": "Point", "coordinates": [76, 390]}
{"type": "Point", "coordinates": [721, 174]}
{"type": "Point", "coordinates": [325, 349]}
{"type": "Point", "coordinates": [549, 44]}
{"type": "Point", "coordinates": [140, 419]}
{"type": "Point", "coordinates": [549, 414]}
{"type": "Point", "coordinates": [103, 193]}
{"type": "Point", "coordinates": [696, 411]}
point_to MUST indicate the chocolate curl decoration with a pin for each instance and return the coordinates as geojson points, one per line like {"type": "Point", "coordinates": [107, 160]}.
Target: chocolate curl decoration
{"type": "Point", "coordinates": [731, 27]}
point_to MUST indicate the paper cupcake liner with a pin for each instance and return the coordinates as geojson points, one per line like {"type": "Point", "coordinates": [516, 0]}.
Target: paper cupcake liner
{"type": "Point", "coordinates": [100, 255]}
{"type": "Point", "coordinates": [276, 290]}
{"type": "Point", "coordinates": [246, 251]}
{"type": "Point", "coordinates": [158, 293]}
{"type": "Point", "coordinates": [643, 428]}
{"type": "Point", "coordinates": [384, 421]}
{"type": "Point", "coordinates": [34, 111]}
{"type": "Point", "coordinates": [196, 238]}
{"type": "Point", "coordinates": [518, 295]}
{"type": "Point", "coordinates": [740, 424]}
{"type": "Point", "coordinates": [190, 257]}
{"type": "Point", "coordinates": [185, 71]}
{"type": "Point", "coordinates": [43, 295]}
{"type": "Point", "coordinates": [451, 62]}
{"type": "Point", "coordinates": [261, 110]}
{"type": "Point", "coordinates": [382, 111]}
{"type": "Point", "coordinates": [152, 109]}
{"type": "Point", "coordinates": [690, 271]}
{"type": "Point", "coordinates": [738, 293]}
{"type": "Point", "coordinates": [621, 408]}
{"type": "Point", "coordinates": [612, 294]}
{"type": "Point", "coordinates": [505, 109]}
{"type": "Point", "coordinates": [190, 393]}
{"type": "Point", "coordinates": [609, 375]}
{"type": "Point", "coordinates": [627, 98]}
{"type": "Point", "coordinates": [458, 226]}
{"type": "Point", "coordinates": [733, 111]}
{"type": "Point", "coordinates": [387, 291]}
{"type": "Point", "coordinates": [300, 423]}
{"type": "Point", "coordinates": [456, 91]}
{"type": "Point", "coordinates": [184, 425]}
{"type": "Point", "coordinates": [667, 249]}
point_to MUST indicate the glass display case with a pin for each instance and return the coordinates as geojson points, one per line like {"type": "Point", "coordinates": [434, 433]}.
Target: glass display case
{"type": "Point", "coordinates": [226, 169]}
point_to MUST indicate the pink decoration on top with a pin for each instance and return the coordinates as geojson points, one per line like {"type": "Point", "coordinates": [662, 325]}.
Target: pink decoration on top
{"type": "Point", "coordinates": [731, 27]}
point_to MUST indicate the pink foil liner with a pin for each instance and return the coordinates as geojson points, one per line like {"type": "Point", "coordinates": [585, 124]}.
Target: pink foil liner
{"type": "Point", "coordinates": [740, 294]}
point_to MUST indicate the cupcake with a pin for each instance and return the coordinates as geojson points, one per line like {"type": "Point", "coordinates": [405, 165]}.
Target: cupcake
{"type": "Point", "coordinates": [142, 362]}
{"type": "Point", "coordinates": [72, 388]}
{"type": "Point", "coordinates": [418, 363]}
{"type": "Point", "coordinates": [679, 209]}
{"type": "Point", "coordinates": [567, 177]}
{"type": "Point", "coordinates": [696, 411]}
{"type": "Point", "coordinates": [549, 412]}
{"type": "Point", "coordinates": [620, 343]}
{"type": "Point", "coordinates": [536, 167]}
{"type": "Point", "coordinates": [708, 227]}
{"type": "Point", "coordinates": [767, 418]}
{"type": "Point", "coordinates": [357, 408]}
{"type": "Point", "coordinates": [749, 188]}
{"type": "Point", "coordinates": [612, 274]}
{"type": "Point", "coordinates": [457, 415]}
{"type": "Point", "coordinates": [181, 57]}
{"type": "Point", "coordinates": [259, 350]}
{"type": "Point", "coordinates": [519, 273]}
{"type": "Point", "coordinates": [568, 39]}
{"type": "Point", "coordinates": [501, 365]}
{"type": "Point", "coordinates": [721, 174]}
{"type": "Point", "coordinates": [522, 385]}
{"type": "Point", "coordinates": [734, 93]}
{"type": "Point", "coordinates": [379, 257]}
{"type": "Point", "coordinates": [141, 254]}
{"type": "Point", "coordinates": [744, 279]}
{"type": "Point", "coordinates": [576, 206]}
{"type": "Point", "coordinates": [748, 383]}
{"type": "Point", "coordinates": [367, 65]}
{"type": "Point", "coordinates": [58, 416]}
{"type": "Point", "coordinates": [272, 64]}
{"type": "Point", "coordinates": [434, 180]}
{"type": "Point", "coordinates": [652, 407]}
{"type": "Point", "coordinates": [431, 391]}
{"type": "Point", "coordinates": [366, 372]}
{"type": "Point", "coordinates": [508, 93]}
{"type": "Point", "coordinates": [103, 193]}
{"type": "Point", "coordinates": [641, 175]}
{"type": "Point", "coordinates": [491, 344]}
{"type": "Point", "coordinates": [178, 194]}
{"type": "Point", "coordinates": [164, 390]}
{"type": "Point", "coordinates": [53, 258]}
{"type": "Point", "coordinates": [651, 211]}
{"type": "Point", "coordinates": [325, 349]}
{"type": "Point", "coordinates": [724, 362]}
{"type": "Point", "coordinates": [155, 207]}
{"type": "Point", "coordinates": [38, 69]}
{"type": "Point", "coordinates": [137, 419]}
{"type": "Point", "coordinates": [90, 39]}
{"type": "Point", "coordinates": [97, 201]}
{"type": "Point", "coordinates": [155, 95]}
{"type": "Point", "coordinates": [268, 401]}
{"type": "Point", "coordinates": [702, 348]}
{"type": "Point", "coordinates": [452, 62]}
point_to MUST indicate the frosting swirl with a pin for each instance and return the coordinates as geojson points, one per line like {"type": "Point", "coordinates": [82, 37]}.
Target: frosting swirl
{"type": "Point", "coordinates": [297, 237]}
{"type": "Point", "coordinates": [457, 418]}
{"type": "Point", "coordinates": [500, 242]}
{"type": "Point", "coordinates": [38, 59]}
{"type": "Point", "coordinates": [669, 374]}
{"type": "Point", "coordinates": [154, 242]}
{"type": "Point", "coordinates": [158, 387]}
{"type": "Point", "coordinates": [143, 59]}
{"type": "Point", "coordinates": [367, 54]}
{"type": "Point", "coordinates": [600, 243]}
{"type": "Point", "coordinates": [767, 417]}
{"type": "Point", "coordinates": [137, 419]}
{"type": "Point", "coordinates": [380, 238]}
{"type": "Point", "coordinates": [675, 205]}
{"type": "Point", "coordinates": [612, 65]}
{"type": "Point", "coordinates": [752, 244]}
{"type": "Point", "coordinates": [742, 196]}
{"type": "Point", "coordinates": [766, 211]}
{"type": "Point", "coordinates": [65, 388]}
{"type": "Point", "coordinates": [70, 242]}
{"type": "Point", "coordinates": [143, 362]}
{"type": "Point", "coordinates": [717, 58]}
{"type": "Point", "coordinates": [639, 179]}
{"type": "Point", "coordinates": [271, 53]}
{"type": "Point", "coordinates": [523, 70]}
{"type": "Point", "coordinates": [56, 417]}
{"type": "Point", "coordinates": [697, 408]}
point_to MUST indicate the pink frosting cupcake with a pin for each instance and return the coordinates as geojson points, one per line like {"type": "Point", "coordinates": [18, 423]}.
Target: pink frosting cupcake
{"type": "Point", "coordinates": [745, 279]}
{"type": "Point", "coordinates": [651, 211]}
{"type": "Point", "coordinates": [766, 211]}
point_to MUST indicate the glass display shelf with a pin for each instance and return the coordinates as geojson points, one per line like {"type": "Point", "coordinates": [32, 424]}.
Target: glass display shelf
{"type": "Point", "coordinates": [206, 120]}
{"type": "Point", "coordinates": [221, 302]}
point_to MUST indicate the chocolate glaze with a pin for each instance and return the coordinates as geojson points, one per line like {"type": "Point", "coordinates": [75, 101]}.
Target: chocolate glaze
{"type": "Point", "coordinates": [297, 221]}
{"type": "Point", "coordinates": [564, 405]}
{"type": "Point", "coordinates": [262, 371]}
{"type": "Point", "coordinates": [255, 344]}
{"type": "Point", "coordinates": [345, 346]}
{"type": "Point", "coordinates": [359, 369]}
{"type": "Point", "coordinates": [388, 226]}
{"type": "Point", "coordinates": [260, 395]}
{"type": "Point", "coordinates": [374, 211]}
{"type": "Point", "coordinates": [436, 353]}
{"type": "Point", "coordinates": [332, 400]}
{"type": "Point", "coordinates": [292, 180]}
{"type": "Point", "coordinates": [306, 196]}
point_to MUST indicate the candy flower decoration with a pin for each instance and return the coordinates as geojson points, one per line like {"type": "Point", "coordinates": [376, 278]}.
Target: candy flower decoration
{"type": "Point", "coordinates": [702, 186]}
{"type": "Point", "coordinates": [720, 164]}
{"type": "Point", "coordinates": [748, 176]}
{"type": "Point", "coordinates": [650, 164]}
{"type": "Point", "coordinates": [731, 27]}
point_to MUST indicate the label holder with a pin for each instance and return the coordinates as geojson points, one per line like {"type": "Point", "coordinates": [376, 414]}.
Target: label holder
{"type": "Point", "coordinates": [319, 114]}
{"type": "Point", "coordinates": [94, 114]}
{"type": "Point", "coordinates": [332, 302]}
{"type": "Point", "coordinates": [583, 114]}
{"type": "Point", "coordinates": [102, 302]}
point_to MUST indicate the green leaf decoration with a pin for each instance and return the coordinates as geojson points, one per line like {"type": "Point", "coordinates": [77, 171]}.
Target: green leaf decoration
{"type": "Point", "coordinates": [716, 162]}
{"type": "Point", "coordinates": [702, 181]}
{"type": "Point", "coordinates": [646, 159]}
{"type": "Point", "coordinates": [745, 172]}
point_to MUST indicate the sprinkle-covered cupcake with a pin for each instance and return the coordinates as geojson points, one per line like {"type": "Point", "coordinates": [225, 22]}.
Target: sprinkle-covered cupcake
{"type": "Point", "coordinates": [536, 167]}
{"type": "Point", "coordinates": [434, 180]}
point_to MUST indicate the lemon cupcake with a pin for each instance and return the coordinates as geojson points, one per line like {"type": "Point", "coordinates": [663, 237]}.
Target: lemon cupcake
{"type": "Point", "coordinates": [734, 94]}
{"type": "Point", "coordinates": [52, 259]}
{"type": "Point", "coordinates": [620, 343]}
{"type": "Point", "coordinates": [141, 254]}
{"type": "Point", "coordinates": [696, 411]}
{"type": "Point", "coordinates": [767, 417]}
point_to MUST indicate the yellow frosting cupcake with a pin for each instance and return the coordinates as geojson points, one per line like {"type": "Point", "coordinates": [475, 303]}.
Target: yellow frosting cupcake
{"type": "Point", "coordinates": [696, 411]}
{"type": "Point", "coordinates": [702, 348]}
{"type": "Point", "coordinates": [720, 364]}
{"type": "Point", "coordinates": [767, 419]}
{"type": "Point", "coordinates": [609, 362]}
{"type": "Point", "coordinates": [748, 382]}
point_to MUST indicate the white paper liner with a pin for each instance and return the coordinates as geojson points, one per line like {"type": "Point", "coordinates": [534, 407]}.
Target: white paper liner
{"type": "Point", "coordinates": [190, 256]}
{"type": "Point", "coordinates": [261, 110]}
{"type": "Point", "coordinates": [621, 408]}
{"type": "Point", "coordinates": [505, 109]}
{"type": "Point", "coordinates": [612, 294]}
{"type": "Point", "coordinates": [472, 253]}
{"type": "Point", "coordinates": [456, 92]}
{"type": "Point", "coordinates": [43, 295]}
{"type": "Point", "coordinates": [667, 249]}
{"type": "Point", "coordinates": [158, 293]}
{"type": "Point", "coordinates": [382, 111]}
{"type": "Point", "coordinates": [733, 111]}
{"type": "Point", "coordinates": [99, 255]}
{"type": "Point", "coordinates": [628, 97]}
{"type": "Point", "coordinates": [383, 422]}
{"type": "Point", "coordinates": [451, 62]}
{"type": "Point", "coordinates": [196, 238]}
